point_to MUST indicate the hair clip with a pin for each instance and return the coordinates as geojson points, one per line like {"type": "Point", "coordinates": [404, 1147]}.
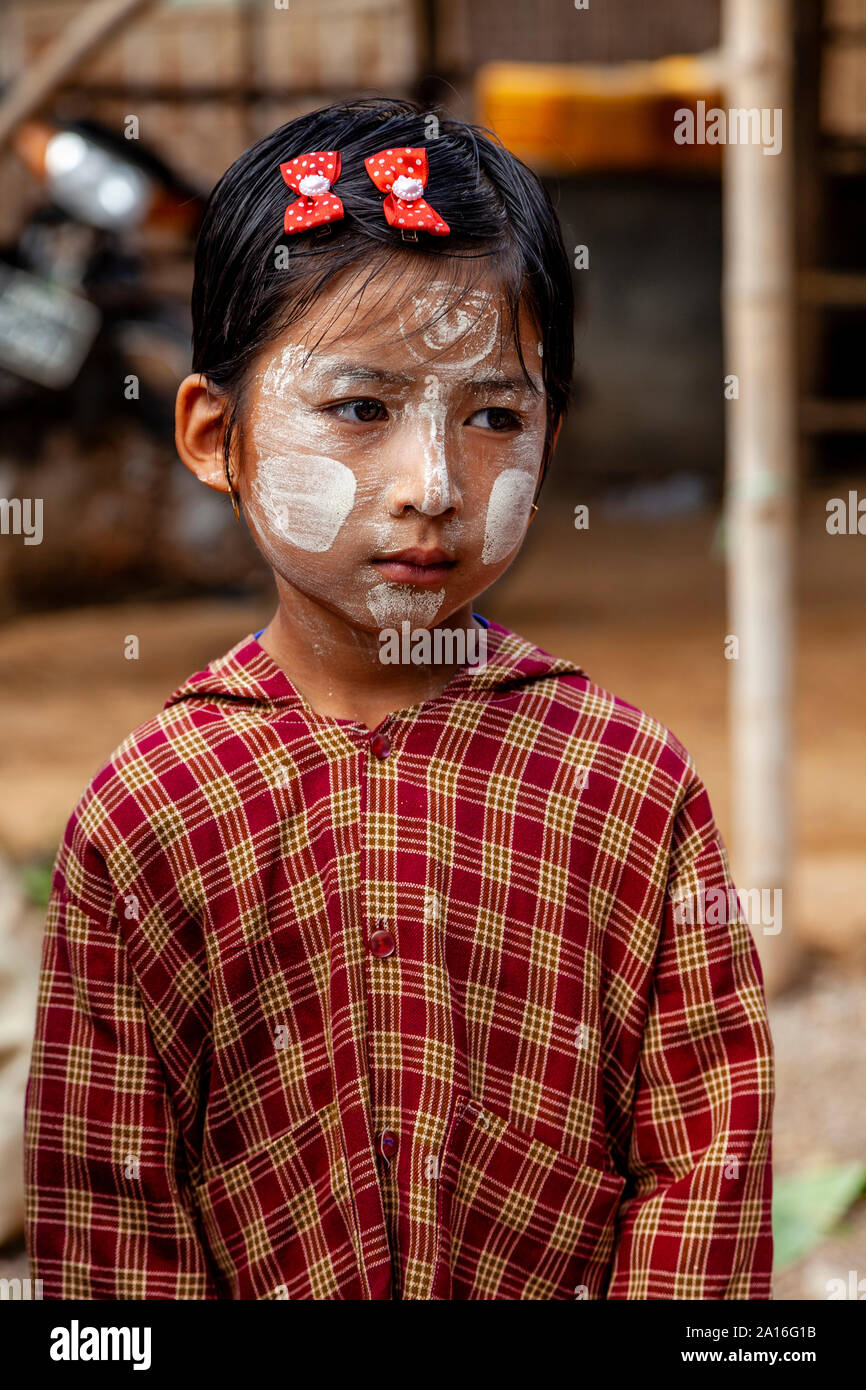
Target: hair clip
{"type": "Point", "coordinates": [402, 174]}
{"type": "Point", "coordinates": [311, 176]}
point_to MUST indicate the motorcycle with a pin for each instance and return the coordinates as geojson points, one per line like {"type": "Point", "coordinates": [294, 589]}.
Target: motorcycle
{"type": "Point", "coordinates": [74, 297]}
{"type": "Point", "coordinates": [94, 338]}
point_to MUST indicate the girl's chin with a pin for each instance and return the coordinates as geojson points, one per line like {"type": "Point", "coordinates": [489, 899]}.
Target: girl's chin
{"type": "Point", "coordinates": [370, 597]}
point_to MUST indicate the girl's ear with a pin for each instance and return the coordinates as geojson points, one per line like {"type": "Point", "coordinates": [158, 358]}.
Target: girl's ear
{"type": "Point", "coordinates": [199, 423]}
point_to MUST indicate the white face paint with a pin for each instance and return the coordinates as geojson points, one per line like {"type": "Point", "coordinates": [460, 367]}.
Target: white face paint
{"type": "Point", "coordinates": [433, 413]}
{"type": "Point", "coordinates": [392, 604]}
{"type": "Point", "coordinates": [281, 372]}
{"type": "Point", "coordinates": [472, 326]}
{"type": "Point", "coordinates": [507, 514]}
{"type": "Point", "coordinates": [305, 497]}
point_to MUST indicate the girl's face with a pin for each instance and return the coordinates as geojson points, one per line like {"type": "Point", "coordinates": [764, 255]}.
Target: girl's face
{"type": "Point", "coordinates": [393, 435]}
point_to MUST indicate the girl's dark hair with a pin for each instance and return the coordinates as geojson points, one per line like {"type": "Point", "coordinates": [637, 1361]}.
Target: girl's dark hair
{"type": "Point", "coordinates": [502, 222]}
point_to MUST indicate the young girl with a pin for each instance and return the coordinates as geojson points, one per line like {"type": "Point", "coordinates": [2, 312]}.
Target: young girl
{"type": "Point", "coordinates": [374, 978]}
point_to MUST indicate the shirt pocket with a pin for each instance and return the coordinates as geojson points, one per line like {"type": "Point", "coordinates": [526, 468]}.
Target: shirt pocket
{"type": "Point", "coordinates": [279, 1223]}
{"type": "Point", "coordinates": [517, 1218]}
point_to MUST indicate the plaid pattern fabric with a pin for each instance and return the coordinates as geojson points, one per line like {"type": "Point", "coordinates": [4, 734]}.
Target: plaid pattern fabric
{"type": "Point", "coordinates": [575, 1086]}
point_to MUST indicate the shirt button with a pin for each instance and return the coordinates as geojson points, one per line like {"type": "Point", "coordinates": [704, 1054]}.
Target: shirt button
{"type": "Point", "coordinates": [380, 745]}
{"type": "Point", "coordinates": [382, 942]}
{"type": "Point", "coordinates": [387, 1143]}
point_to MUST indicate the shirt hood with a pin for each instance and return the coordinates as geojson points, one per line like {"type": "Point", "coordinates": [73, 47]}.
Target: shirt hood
{"type": "Point", "coordinates": [248, 675]}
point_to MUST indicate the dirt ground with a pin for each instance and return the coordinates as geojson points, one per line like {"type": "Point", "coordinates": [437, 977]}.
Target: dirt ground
{"type": "Point", "coordinates": [640, 606]}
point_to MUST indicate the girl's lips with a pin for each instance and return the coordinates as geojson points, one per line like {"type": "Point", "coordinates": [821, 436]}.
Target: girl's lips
{"type": "Point", "coordinates": [405, 572]}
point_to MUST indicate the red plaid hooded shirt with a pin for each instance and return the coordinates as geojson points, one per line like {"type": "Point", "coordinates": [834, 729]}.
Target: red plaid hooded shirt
{"type": "Point", "coordinates": [326, 1014]}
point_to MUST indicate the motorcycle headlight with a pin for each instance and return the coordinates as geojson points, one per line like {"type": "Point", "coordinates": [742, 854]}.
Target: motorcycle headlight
{"type": "Point", "coordinates": [94, 185]}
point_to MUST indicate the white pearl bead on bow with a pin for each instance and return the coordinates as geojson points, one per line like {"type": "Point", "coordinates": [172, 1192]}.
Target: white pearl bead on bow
{"type": "Point", "coordinates": [407, 189]}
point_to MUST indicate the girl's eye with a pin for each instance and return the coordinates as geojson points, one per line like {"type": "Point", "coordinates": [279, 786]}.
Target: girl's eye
{"type": "Point", "coordinates": [495, 417]}
{"type": "Point", "coordinates": [361, 412]}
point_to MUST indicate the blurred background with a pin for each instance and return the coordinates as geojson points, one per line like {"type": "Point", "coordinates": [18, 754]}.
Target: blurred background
{"type": "Point", "coordinates": [115, 121]}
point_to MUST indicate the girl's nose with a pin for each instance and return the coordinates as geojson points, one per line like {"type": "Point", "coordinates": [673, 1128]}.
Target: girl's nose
{"type": "Point", "coordinates": [422, 458]}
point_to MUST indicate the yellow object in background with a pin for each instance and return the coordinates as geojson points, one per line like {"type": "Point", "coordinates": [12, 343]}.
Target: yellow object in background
{"type": "Point", "coordinates": [570, 117]}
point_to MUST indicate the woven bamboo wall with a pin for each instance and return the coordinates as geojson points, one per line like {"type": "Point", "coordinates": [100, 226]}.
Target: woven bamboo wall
{"type": "Point", "coordinates": [608, 31]}
{"type": "Point", "coordinates": [207, 77]}
{"type": "Point", "coordinates": [191, 71]}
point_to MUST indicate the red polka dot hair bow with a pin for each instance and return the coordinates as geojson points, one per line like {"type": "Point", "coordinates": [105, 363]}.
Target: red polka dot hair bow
{"type": "Point", "coordinates": [402, 174]}
{"type": "Point", "coordinates": [311, 177]}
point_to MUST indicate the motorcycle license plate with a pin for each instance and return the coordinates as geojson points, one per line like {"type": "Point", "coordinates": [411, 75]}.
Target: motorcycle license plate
{"type": "Point", "coordinates": [45, 331]}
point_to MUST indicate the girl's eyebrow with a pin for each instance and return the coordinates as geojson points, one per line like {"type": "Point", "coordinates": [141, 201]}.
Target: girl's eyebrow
{"type": "Point", "coordinates": [353, 371]}
{"type": "Point", "coordinates": [497, 382]}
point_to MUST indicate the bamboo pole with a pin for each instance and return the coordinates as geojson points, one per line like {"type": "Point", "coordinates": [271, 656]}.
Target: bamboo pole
{"type": "Point", "coordinates": [758, 308]}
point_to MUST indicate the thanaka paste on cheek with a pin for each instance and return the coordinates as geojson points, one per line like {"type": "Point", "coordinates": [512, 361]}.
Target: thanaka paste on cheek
{"type": "Point", "coordinates": [305, 498]}
{"type": "Point", "coordinates": [507, 513]}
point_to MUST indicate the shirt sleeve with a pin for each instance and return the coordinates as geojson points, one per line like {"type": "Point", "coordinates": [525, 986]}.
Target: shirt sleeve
{"type": "Point", "coordinates": [109, 1213]}
{"type": "Point", "coordinates": [695, 1219]}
